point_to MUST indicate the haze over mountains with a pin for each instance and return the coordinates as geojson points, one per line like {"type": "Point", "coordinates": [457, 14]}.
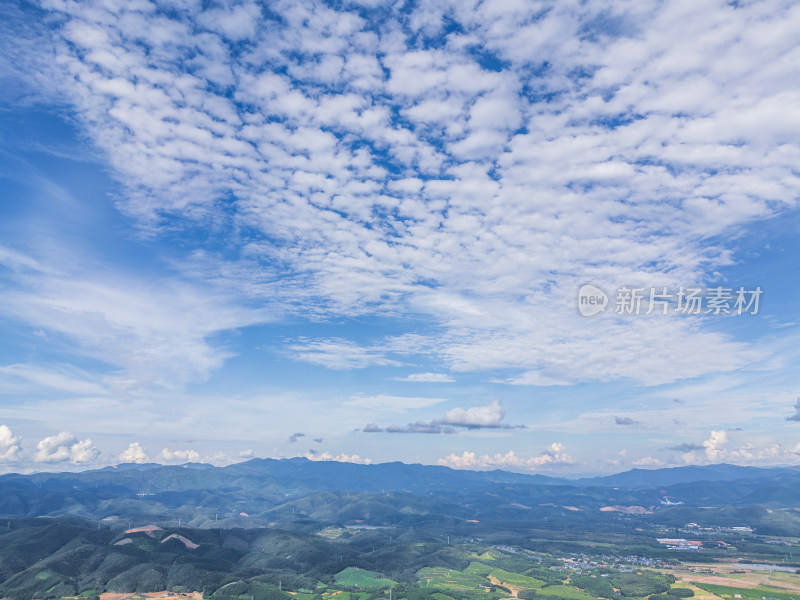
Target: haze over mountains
{"type": "Point", "coordinates": [265, 490]}
{"type": "Point", "coordinates": [266, 523]}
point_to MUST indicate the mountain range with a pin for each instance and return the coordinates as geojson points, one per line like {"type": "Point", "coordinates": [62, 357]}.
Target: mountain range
{"type": "Point", "coordinates": [269, 488]}
{"type": "Point", "coordinates": [262, 524]}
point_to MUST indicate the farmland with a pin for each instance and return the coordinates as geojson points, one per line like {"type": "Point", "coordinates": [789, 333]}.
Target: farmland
{"type": "Point", "coordinates": [740, 593]}
{"type": "Point", "coordinates": [451, 579]}
{"type": "Point", "coordinates": [361, 578]}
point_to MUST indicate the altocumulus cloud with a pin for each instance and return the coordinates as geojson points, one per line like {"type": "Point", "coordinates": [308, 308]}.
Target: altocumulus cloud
{"type": "Point", "coordinates": [385, 167]}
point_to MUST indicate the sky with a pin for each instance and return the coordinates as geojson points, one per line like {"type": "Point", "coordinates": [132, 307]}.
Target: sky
{"type": "Point", "coordinates": [554, 237]}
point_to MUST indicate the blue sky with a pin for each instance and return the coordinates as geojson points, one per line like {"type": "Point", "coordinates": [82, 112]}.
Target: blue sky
{"type": "Point", "coordinates": [357, 231]}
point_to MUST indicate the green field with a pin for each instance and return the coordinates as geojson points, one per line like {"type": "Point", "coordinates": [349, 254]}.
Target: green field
{"type": "Point", "coordinates": [476, 578]}
{"type": "Point", "coordinates": [565, 591]}
{"type": "Point", "coordinates": [783, 576]}
{"type": "Point", "coordinates": [342, 595]}
{"type": "Point", "coordinates": [515, 579]}
{"type": "Point", "coordinates": [355, 577]}
{"type": "Point", "coordinates": [450, 579]}
{"type": "Point", "coordinates": [756, 593]}
{"type": "Point", "coordinates": [476, 568]}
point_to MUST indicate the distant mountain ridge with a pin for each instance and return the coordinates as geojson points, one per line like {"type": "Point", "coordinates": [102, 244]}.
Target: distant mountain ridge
{"type": "Point", "coordinates": [390, 475]}
{"type": "Point", "coordinates": [687, 474]}
{"type": "Point", "coordinates": [413, 476]}
{"type": "Point", "coordinates": [397, 493]}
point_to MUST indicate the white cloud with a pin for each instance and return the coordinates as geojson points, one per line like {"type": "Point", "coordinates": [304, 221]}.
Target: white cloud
{"type": "Point", "coordinates": [629, 163]}
{"type": "Point", "coordinates": [377, 176]}
{"type": "Point", "coordinates": [532, 378]}
{"type": "Point", "coordinates": [433, 427]}
{"type": "Point", "coordinates": [179, 456]}
{"type": "Point", "coordinates": [689, 458]}
{"type": "Point", "coordinates": [236, 24]}
{"type": "Point", "coordinates": [63, 447]}
{"type": "Point", "coordinates": [763, 452]}
{"type": "Point", "coordinates": [796, 415]}
{"type": "Point", "coordinates": [134, 453]}
{"type": "Point", "coordinates": [476, 417]}
{"type": "Point", "coordinates": [155, 332]}
{"type": "Point", "coordinates": [82, 452]}
{"type": "Point", "coordinates": [62, 379]}
{"type": "Point", "coordinates": [9, 445]}
{"type": "Point", "coordinates": [715, 445]}
{"type": "Point", "coordinates": [490, 415]}
{"type": "Point", "coordinates": [218, 459]}
{"type": "Point", "coordinates": [339, 354]}
{"type": "Point", "coordinates": [648, 461]}
{"type": "Point", "coordinates": [427, 378]}
{"type": "Point", "coordinates": [392, 403]}
{"type": "Point", "coordinates": [347, 458]}
{"type": "Point", "coordinates": [553, 456]}
{"type": "Point", "coordinates": [17, 261]}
